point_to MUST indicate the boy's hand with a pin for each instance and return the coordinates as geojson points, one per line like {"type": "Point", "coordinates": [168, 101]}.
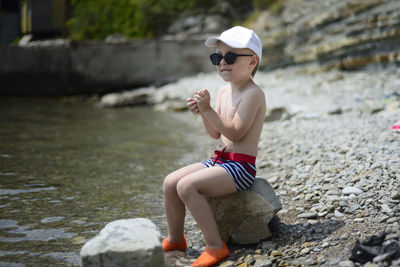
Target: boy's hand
{"type": "Point", "coordinates": [202, 99]}
{"type": "Point", "coordinates": [192, 106]}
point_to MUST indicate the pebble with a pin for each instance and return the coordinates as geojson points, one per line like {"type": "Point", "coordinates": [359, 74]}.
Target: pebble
{"type": "Point", "coordinates": [346, 264]}
{"type": "Point", "coordinates": [351, 190]}
{"type": "Point", "coordinates": [385, 208]}
{"type": "Point", "coordinates": [395, 194]}
{"type": "Point", "coordinates": [263, 263]}
{"type": "Point", "coordinates": [267, 245]}
{"type": "Point", "coordinates": [305, 251]}
{"type": "Point", "coordinates": [338, 214]}
{"type": "Point", "coordinates": [276, 253]}
{"type": "Point", "coordinates": [227, 264]}
{"type": "Point", "coordinates": [393, 220]}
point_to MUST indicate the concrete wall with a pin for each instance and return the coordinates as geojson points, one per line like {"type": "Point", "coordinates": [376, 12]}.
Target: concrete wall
{"type": "Point", "coordinates": [98, 67]}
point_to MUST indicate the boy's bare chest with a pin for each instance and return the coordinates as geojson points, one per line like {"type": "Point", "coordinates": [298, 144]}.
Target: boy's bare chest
{"type": "Point", "coordinates": [229, 107]}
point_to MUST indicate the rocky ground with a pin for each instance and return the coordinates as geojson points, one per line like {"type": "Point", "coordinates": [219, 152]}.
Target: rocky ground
{"type": "Point", "coordinates": [328, 150]}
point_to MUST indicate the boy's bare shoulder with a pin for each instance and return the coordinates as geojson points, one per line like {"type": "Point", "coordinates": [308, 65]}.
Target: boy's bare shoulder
{"type": "Point", "coordinates": [256, 91]}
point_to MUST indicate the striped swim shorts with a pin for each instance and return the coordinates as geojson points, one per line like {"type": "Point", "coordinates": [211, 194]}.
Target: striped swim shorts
{"type": "Point", "coordinates": [240, 166]}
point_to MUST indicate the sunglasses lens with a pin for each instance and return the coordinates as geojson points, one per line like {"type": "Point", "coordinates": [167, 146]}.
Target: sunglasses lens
{"type": "Point", "coordinates": [215, 58]}
{"type": "Point", "coordinates": [230, 58]}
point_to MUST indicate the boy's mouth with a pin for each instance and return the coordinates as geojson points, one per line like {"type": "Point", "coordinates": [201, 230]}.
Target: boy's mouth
{"type": "Point", "coordinates": [223, 70]}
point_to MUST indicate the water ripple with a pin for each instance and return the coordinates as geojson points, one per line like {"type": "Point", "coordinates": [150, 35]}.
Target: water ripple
{"type": "Point", "coordinates": [52, 219]}
{"type": "Point", "coordinates": [36, 235]}
{"type": "Point", "coordinates": [22, 191]}
{"type": "Point", "coordinates": [8, 224]}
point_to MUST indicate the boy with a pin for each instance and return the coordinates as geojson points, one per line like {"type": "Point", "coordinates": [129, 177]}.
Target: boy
{"type": "Point", "coordinates": [236, 122]}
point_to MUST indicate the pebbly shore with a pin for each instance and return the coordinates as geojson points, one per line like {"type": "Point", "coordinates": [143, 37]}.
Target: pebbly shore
{"type": "Point", "coordinates": [328, 150]}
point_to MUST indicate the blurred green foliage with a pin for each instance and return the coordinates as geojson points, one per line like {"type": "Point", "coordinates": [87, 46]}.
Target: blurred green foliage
{"type": "Point", "coordinates": [275, 6]}
{"type": "Point", "coordinates": [96, 19]}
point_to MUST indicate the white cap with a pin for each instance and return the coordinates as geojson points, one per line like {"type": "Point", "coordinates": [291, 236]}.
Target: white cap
{"type": "Point", "coordinates": [238, 37]}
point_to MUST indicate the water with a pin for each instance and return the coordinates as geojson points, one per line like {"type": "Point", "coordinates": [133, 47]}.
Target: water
{"type": "Point", "coordinates": [67, 168]}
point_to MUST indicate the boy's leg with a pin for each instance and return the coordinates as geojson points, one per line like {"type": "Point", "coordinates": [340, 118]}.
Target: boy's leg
{"type": "Point", "coordinates": [193, 188]}
{"type": "Point", "coordinates": [174, 207]}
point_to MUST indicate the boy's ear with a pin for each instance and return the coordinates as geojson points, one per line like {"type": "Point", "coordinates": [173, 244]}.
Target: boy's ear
{"type": "Point", "coordinates": [254, 60]}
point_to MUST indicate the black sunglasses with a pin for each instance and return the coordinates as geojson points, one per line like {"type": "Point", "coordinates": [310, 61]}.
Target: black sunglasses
{"type": "Point", "coordinates": [229, 57]}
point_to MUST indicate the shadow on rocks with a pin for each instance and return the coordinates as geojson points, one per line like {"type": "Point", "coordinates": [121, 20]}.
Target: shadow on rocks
{"type": "Point", "coordinates": [288, 234]}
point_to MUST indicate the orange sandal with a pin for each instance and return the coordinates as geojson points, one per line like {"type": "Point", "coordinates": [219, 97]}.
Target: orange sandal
{"type": "Point", "coordinates": [210, 256]}
{"type": "Point", "coordinates": [168, 246]}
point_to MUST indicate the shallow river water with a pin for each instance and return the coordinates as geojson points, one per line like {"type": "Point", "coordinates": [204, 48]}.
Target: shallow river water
{"type": "Point", "coordinates": [68, 167]}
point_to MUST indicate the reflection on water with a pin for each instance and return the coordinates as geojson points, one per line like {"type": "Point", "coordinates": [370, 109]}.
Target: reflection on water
{"type": "Point", "coordinates": [67, 168]}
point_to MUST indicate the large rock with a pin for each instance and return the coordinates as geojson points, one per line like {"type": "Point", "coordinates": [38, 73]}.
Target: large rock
{"type": "Point", "coordinates": [128, 242]}
{"type": "Point", "coordinates": [243, 217]}
{"type": "Point", "coordinates": [128, 98]}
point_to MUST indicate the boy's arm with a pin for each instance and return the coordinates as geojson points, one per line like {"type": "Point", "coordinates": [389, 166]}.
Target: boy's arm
{"type": "Point", "coordinates": [243, 119]}
{"type": "Point", "coordinates": [209, 127]}
{"type": "Point", "coordinates": [192, 106]}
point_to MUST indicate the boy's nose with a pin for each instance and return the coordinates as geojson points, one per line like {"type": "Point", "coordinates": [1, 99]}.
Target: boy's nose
{"type": "Point", "coordinates": [223, 62]}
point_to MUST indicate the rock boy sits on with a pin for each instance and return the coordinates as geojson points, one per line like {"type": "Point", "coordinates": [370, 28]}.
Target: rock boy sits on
{"type": "Point", "coordinates": [236, 122]}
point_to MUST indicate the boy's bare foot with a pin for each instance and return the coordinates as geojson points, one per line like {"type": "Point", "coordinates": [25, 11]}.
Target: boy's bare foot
{"type": "Point", "coordinates": [210, 256]}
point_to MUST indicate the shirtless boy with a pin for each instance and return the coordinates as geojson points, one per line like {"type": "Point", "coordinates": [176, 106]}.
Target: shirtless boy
{"type": "Point", "coordinates": [236, 122]}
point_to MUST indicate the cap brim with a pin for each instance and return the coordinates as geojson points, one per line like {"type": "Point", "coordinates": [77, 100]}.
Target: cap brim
{"type": "Point", "coordinates": [212, 41]}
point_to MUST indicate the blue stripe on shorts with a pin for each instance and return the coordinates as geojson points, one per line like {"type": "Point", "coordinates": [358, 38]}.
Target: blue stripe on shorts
{"type": "Point", "coordinates": [243, 173]}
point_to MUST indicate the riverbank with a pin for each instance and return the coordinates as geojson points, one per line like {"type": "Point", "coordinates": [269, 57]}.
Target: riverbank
{"type": "Point", "coordinates": [328, 151]}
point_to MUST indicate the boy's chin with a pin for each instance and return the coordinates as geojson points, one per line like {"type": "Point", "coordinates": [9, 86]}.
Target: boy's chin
{"type": "Point", "coordinates": [226, 76]}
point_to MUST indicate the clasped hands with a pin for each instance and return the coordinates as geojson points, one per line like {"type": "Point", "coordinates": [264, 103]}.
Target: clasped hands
{"type": "Point", "coordinates": [200, 102]}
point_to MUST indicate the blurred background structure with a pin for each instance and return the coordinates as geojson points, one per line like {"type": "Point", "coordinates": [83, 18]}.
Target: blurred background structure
{"type": "Point", "coordinates": [41, 18]}
{"type": "Point", "coordinates": [65, 47]}
{"type": "Point", "coordinates": [9, 21]}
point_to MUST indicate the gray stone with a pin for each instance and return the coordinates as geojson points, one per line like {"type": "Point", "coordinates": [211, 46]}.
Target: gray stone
{"type": "Point", "coordinates": [25, 40]}
{"type": "Point", "coordinates": [338, 214]}
{"type": "Point", "coordinates": [395, 194]}
{"type": "Point", "coordinates": [128, 242]}
{"type": "Point", "coordinates": [347, 263]}
{"type": "Point", "coordinates": [128, 98]}
{"type": "Point", "coordinates": [267, 245]}
{"type": "Point", "coordinates": [274, 114]}
{"type": "Point", "coordinates": [385, 208]}
{"type": "Point", "coordinates": [351, 190]}
{"type": "Point", "coordinates": [243, 217]}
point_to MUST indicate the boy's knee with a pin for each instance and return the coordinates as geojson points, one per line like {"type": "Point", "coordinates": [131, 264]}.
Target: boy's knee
{"type": "Point", "coordinates": [169, 183]}
{"type": "Point", "coordinates": [185, 189]}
